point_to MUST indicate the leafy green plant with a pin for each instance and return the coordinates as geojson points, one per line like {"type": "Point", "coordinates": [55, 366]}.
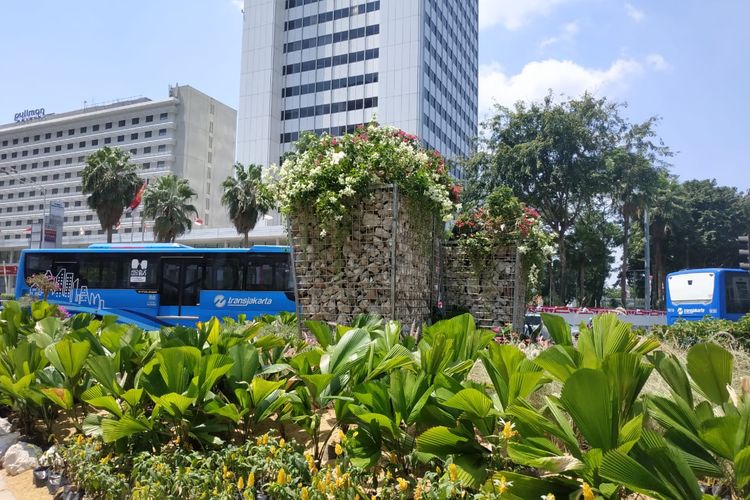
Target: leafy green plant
{"type": "Point", "coordinates": [329, 174]}
{"type": "Point", "coordinates": [705, 420]}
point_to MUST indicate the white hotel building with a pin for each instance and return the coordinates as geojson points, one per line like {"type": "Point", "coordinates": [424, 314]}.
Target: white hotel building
{"type": "Point", "coordinates": [329, 65]}
{"type": "Point", "coordinates": [189, 134]}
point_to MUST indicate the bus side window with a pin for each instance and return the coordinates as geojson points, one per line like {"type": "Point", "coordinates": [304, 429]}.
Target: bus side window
{"type": "Point", "coordinates": [737, 288]}
{"type": "Point", "coordinates": [140, 271]}
{"type": "Point", "coordinates": [269, 272]}
{"type": "Point", "coordinates": [36, 263]}
{"type": "Point", "coordinates": [222, 272]}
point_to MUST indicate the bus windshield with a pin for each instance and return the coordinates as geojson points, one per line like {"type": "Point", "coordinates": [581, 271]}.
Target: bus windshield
{"type": "Point", "coordinates": [692, 288]}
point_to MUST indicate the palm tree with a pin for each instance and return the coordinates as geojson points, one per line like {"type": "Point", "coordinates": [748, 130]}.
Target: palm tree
{"type": "Point", "coordinates": [167, 201]}
{"type": "Point", "coordinates": [668, 208]}
{"type": "Point", "coordinates": [635, 180]}
{"type": "Point", "coordinates": [110, 180]}
{"type": "Point", "coordinates": [246, 197]}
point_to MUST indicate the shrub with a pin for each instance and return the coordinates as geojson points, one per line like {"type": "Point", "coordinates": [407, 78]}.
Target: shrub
{"type": "Point", "coordinates": [328, 175]}
{"type": "Point", "coordinates": [504, 221]}
{"type": "Point", "coordinates": [688, 333]}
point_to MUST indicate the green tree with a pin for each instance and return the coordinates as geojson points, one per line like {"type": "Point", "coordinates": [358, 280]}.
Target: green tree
{"type": "Point", "coordinates": [167, 201]}
{"type": "Point", "coordinates": [246, 197]}
{"type": "Point", "coordinates": [712, 218]}
{"type": "Point", "coordinates": [635, 168]}
{"type": "Point", "coordinates": [553, 155]}
{"type": "Point", "coordinates": [667, 209]}
{"type": "Point", "coordinates": [110, 181]}
{"type": "Point", "coordinates": [590, 246]}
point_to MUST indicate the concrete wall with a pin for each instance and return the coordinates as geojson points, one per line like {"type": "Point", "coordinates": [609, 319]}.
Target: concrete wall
{"type": "Point", "coordinates": [205, 150]}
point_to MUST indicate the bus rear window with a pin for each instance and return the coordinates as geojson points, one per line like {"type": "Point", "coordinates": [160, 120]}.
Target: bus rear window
{"type": "Point", "coordinates": [692, 288]}
{"type": "Point", "coordinates": [737, 286]}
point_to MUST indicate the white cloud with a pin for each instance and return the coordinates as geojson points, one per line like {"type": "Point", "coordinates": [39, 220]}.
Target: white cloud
{"type": "Point", "coordinates": [634, 13]}
{"type": "Point", "coordinates": [239, 4]}
{"type": "Point", "coordinates": [567, 33]}
{"type": "Point", "coordinates": [513, 14]}
{"type": "Point", "coordinates": [657, 62]}
{"type": "Point", "coordinates": [561, 76]}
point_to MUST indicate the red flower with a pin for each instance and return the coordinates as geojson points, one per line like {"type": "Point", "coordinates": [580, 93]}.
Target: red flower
{"type": "Point", "coordinates": [455, 194]}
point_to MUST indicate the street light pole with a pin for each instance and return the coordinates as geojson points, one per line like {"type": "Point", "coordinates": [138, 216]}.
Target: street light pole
{"type": "Point", "coordinates": [647, 257]}
{"type": "Point", "coordinates": [44, 217]}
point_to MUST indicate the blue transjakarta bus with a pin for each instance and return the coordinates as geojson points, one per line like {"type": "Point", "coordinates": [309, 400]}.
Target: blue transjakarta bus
{"type": "Point", "coordinates": [693, 294]}
{"type": "Point", "coordinates": [155, 285]}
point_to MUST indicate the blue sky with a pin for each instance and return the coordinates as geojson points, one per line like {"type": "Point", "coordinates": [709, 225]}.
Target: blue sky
{"type": "Point", "coordinates": [684, 60]}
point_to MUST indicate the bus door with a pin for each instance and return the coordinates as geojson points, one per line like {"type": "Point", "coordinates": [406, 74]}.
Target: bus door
{"type": "Point", "coordinates": [180, 289]}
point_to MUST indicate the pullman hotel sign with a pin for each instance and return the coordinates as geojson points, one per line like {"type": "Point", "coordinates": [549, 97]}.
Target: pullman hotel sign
{"type": "Point", "coordinates": [28, 114]}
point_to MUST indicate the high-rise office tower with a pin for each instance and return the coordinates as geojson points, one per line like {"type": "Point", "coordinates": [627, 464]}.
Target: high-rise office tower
{"type": "Point", "coordinates": [330, 65]}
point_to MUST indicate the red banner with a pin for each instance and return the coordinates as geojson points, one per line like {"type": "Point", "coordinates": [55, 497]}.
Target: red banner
{"type": "Point", "coordinates": [8, 270]}
{"type": "Point", "coordinates": [595, 310]}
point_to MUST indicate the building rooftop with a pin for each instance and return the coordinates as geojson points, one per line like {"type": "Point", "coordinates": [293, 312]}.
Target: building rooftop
{"type": "Point", "coordinates": [119, 103]}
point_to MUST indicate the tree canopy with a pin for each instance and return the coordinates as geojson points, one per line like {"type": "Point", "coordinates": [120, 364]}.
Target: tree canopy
{"type": "Point", "coordinates": [167, 201]}
{"type": "Point", "coordinates": [110, 181]}
{"type": "Point", "coordinates": [246, 198]}
{"type": "Point", "coordinates": [567, 158]}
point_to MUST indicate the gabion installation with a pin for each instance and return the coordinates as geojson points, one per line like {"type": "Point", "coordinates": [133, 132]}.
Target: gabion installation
{"type": "Point", "coordinates": [381, 261]}
{"type": "Point", "coordinates": [493, 292]}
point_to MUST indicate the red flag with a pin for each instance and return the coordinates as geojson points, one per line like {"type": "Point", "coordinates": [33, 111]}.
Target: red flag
{"type": "Point", "coordinates": [138, 195]}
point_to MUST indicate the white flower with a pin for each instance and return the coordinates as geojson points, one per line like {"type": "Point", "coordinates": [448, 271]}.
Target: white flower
{"type": "Point", "coordinates": [337, 157]}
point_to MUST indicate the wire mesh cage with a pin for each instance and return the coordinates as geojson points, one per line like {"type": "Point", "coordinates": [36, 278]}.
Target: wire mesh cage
{"type": "Point", "coordinates": [494, 292]}
{"type": "Point", "coordinates": [382, 260]}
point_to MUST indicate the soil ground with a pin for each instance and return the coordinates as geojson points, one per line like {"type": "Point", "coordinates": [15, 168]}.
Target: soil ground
{"type": "Point", "coordinates": [21, 487]}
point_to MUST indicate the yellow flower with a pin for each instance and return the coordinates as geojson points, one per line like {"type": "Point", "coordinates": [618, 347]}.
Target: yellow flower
{"type": "Point", "coordinates": [339, 450]}
{"type": "Point", "coordinates": [340, 482]}
{"type": "Point", "coordinates": [282, 443]}
{"type": "Point", "coordinates": [273, 451]}
{"type": "Point", "coordinates": [453, 472]}
{"type": "Point", "coordinates": [241, 483]}
{"type": "Point", "coordinates": [403, 484]}
{"type": "Point", "coordinates": [250, 480]}
{"type": "Point", "coordinates": [281, 477]}
{"type": "Point", "coordinates": [79, 439]}
{"type": "Point", "coordinates": [388, 476]}
{"type": "Point", "coordinates": [305, 495]}
{"type": "Point", "coordinates": [342, 436]}
{"type": "Point", "coordinates": [548, 496]}
{"type": "Point", "coordinates": [509, 429]}
{"type": "Point", "coordinates": [502, 484]}
{"type": "Point", "coordinates": [106, 459]}
{"type": "Point", "coordinates": [310, 463]}
{"type": "Point", "coordinates": [418, 492]}
{"type": "Point", "coordinates": [264, 439]}
{"type": "Point", "coordinates": [588, 493]}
